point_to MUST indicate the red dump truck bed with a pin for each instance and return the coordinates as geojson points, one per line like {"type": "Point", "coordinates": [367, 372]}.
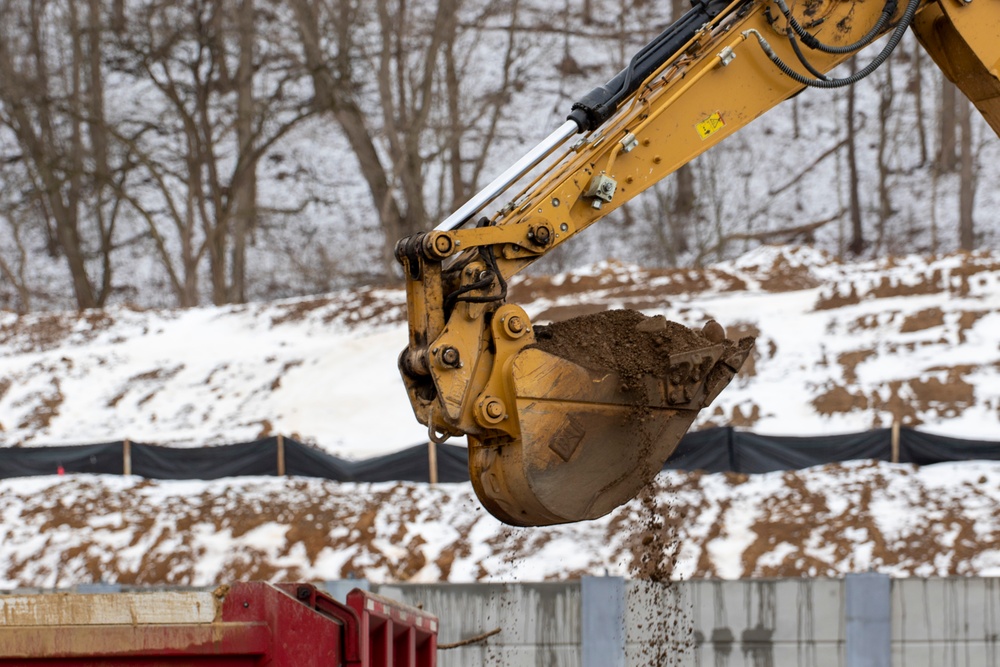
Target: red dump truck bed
{"type": "Point", "coordinates": [242, 624]}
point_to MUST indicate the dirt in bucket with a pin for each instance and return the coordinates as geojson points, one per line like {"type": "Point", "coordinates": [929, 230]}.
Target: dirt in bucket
{"type": "Point", "coordinates": [626, 342]}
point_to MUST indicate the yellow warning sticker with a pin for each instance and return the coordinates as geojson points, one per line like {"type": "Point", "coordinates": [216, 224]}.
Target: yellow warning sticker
{"type": "Point", "coordinates": [711, 124]}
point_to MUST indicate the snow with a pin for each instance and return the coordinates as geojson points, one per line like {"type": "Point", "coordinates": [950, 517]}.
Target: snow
{"type": "Point", "coordinates": [939, 520]}
{"type": "Point", "coordinates": [323, 369]}
{"type": "Point", "coordinates": [916, 340]}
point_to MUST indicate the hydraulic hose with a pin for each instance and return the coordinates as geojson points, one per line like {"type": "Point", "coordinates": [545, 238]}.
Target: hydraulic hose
{"type": "Point", "coordinates": [813, 43]}
{"type": "Point", "coordinates": [802, 58]}
{"type": "Point", "coordinates": [894, 39]}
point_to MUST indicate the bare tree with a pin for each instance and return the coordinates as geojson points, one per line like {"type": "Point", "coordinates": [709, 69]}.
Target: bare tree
{"type": "Point", "coordinates": [886, 136]}
{"type": "Point", "coordinates": [52, 101]}
{"type": "Point", "coordinates": [15, 290]}
{"type": "Point", "coordinates": [684, 210]}
{"type": "Point", "coordinates": [915, 85]}
{"type": "Point", "coordinates": [857, 244]}
{"type": "Point", "coordinates": [947, 154]}
{"type": "Point", "coordinates": [967, 179]}
{"type": "Point", "coordinates": [430, 102]}
{"type": "Point", "coordinates": [198, 198]}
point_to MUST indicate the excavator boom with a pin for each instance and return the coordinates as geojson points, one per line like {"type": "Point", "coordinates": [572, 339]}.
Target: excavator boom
{"type": "Point", "coordinates": [567, 422]}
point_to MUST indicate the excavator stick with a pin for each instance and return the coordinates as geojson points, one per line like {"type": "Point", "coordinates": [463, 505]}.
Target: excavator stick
{"type": "Point", "coordinates": [567, 422]}
{"type": "Point", "coordinates": [964, 41]}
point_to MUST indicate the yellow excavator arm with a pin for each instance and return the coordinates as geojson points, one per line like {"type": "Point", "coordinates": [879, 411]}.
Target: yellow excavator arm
{"type": "Point", "coordinates": [567, 422]}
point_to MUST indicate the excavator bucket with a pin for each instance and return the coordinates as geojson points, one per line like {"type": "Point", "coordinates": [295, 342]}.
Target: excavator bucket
{"type": "Point", "coordinates": [602, 401]}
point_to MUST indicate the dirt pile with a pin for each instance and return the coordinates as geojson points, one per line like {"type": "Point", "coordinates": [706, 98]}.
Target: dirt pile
{"type": "Point", "coordinates": [627, 342]}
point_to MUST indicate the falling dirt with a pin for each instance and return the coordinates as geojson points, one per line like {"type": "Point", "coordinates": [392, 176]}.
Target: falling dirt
{"type": "Point", "coordinates": [634, 345]}
{"type": "Point", "coordinates": [660, 616]}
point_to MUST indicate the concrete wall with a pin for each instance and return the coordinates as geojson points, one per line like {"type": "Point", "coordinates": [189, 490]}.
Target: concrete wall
{"type": "Point", "coordinates": [540, 623]}
{"type": "Point", "coordinates": [863, 621]}
{"type": "Point", "coordinates": [946, 622]}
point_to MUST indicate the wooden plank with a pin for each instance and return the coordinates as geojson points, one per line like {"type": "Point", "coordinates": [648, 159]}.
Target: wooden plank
{"type": "Point", "coordinates": [161, 607]}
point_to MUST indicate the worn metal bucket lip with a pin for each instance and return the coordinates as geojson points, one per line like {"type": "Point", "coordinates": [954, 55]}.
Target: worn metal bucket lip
{"type": "Point", "coordinates": [585, 446]}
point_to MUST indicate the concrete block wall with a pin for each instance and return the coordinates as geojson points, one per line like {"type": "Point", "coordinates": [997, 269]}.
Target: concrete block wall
{"type": "Point", "coordinates": [541, 622]}
{"type": "Point", "coordinates": [864, 620]}
{"type": "Point", "coordinates": [953, 622]}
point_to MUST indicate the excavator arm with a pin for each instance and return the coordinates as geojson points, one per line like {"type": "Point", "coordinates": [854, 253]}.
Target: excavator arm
{"type": "Point", "coordinates": [558, 430]}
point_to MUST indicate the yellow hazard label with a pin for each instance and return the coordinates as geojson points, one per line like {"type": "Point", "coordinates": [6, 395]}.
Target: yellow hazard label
{"type": "Point", "coordinates": [711, 124]}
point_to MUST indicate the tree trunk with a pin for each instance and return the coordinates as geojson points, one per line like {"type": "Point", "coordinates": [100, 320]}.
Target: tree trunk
{"type": "Point", "coordinates": [917, 88]}
{"type": "Point", "coordinates": [967, 187]}
{"type": "Point", "coordinates": [98, 133]}
{"type": "Point", "coordinates": [885, 209]}
{"type": "Point", "coordinates": [857, 244]}
{"type": "Point", "coordinates": [947, 157]}
{"type": "Point", "coordinates": [244, 206]}
{"type": "Point", "coordinates": [683, 208]}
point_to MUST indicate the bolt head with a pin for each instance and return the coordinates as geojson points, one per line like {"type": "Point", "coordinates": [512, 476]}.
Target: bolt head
{"type": "Point", "coordinates": [443, 244]}
{"type": "Point", "coordinates": [450, 357]}
{"type": "Point", "coordinates": [541, 235]}
{"type": "Point", "coordinates": [494, 409]}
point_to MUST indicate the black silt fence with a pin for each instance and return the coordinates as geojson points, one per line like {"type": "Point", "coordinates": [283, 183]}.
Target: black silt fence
{"type": "Point", "coordinates": [711, 450]}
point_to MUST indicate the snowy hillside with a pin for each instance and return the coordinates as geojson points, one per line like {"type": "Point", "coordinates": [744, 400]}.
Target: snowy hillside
{"type": "Point", "coordinates": [839, 348]}
{"type": "Point", "coordinates": [936, 521]}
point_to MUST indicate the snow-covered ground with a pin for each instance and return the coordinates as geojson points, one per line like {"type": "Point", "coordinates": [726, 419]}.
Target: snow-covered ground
{"type": "Point", "coordinates": [840, 348]}
{"type": "Point", "coordinates": [856, 517]}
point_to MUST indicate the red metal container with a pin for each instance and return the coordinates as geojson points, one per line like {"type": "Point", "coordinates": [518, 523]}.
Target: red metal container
{"type": "Point", "coordinates": [242, 624]}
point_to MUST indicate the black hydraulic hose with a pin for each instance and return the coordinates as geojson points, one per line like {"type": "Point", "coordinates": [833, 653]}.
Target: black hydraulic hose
{"type": "Point", "coordinates": [802, 58]}
{"type": "Point", "coordinates": [894, 39]}
{"type": "Point", "coordinates": [492, 274]}
{"type": "Point", "coordinates": [601, 103]}
{"type": "Point", "coordinates": [813, 43]}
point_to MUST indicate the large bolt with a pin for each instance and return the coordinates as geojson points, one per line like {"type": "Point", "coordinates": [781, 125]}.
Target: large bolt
{"type": "Point", "coordinates": [514, 326]}
{"type": "Point", "coordinates": [443, 244]}
{"type": "Point", "coordinates": [543, 235]}
{"type": "Point", "coordinates": [438, 245]}
{"type": "Point", "coordinates": [493, 410]}
{"type": "Point", "coordinates": [450, 357]}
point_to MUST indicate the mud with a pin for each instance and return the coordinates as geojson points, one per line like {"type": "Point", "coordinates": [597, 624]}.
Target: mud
{"type": "Point", "coordinates": [624, 341]}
